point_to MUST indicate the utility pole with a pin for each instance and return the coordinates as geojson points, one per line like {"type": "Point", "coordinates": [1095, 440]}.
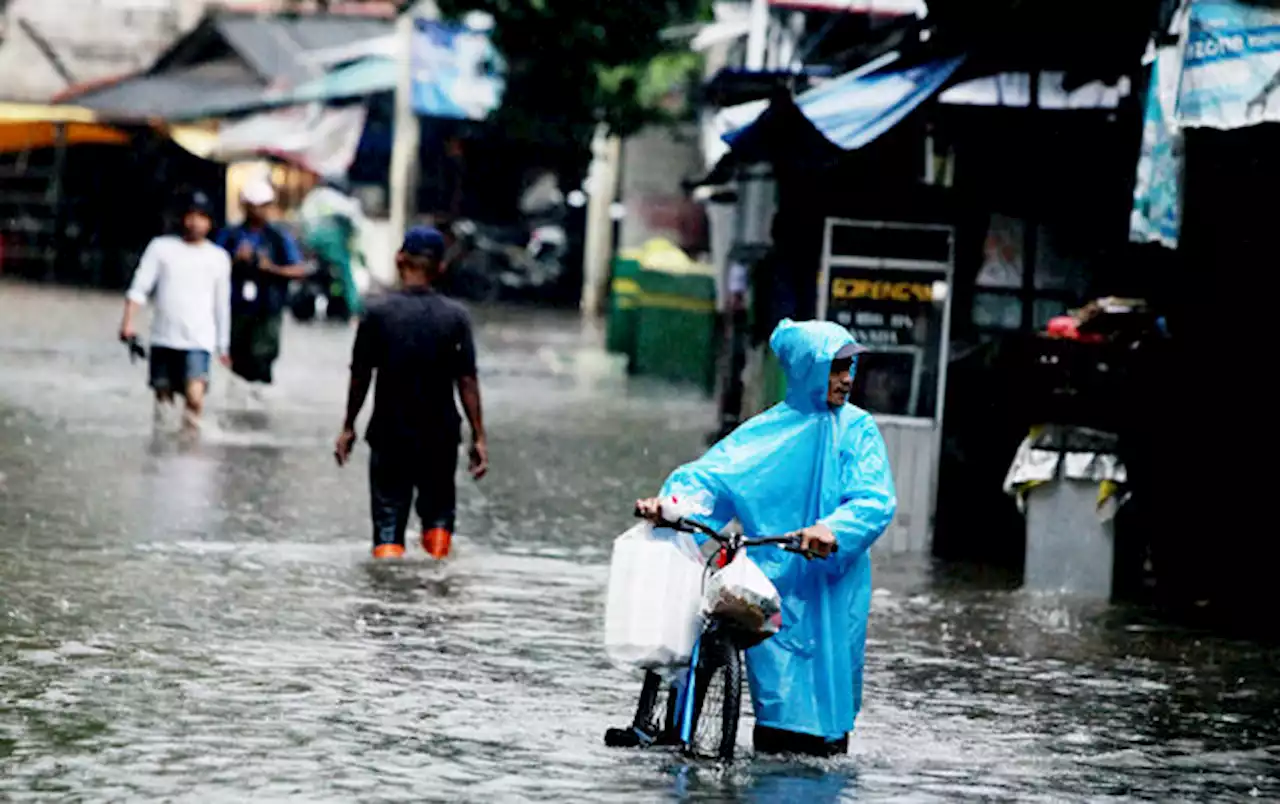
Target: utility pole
{"type": "Point", "coordinates": [757, 35]}
{"type": "Point", "coordinates": [606, 151]}
{"type": "Point", "coordinates": [751, 226]}
{"type": "Point", "coordinates": [754, 186]}
{"type": "Point", "coordinates": [407, 133]}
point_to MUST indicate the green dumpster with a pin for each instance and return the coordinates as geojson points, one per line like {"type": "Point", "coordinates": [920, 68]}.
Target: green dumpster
{"type": "Point", "coordinates": [624, 288]}
{"type": "Point", "coordinates": [676, 319]}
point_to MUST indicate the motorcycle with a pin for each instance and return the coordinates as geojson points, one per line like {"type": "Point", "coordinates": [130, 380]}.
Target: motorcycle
{"type": "Point", "coordinates": [488, 263]}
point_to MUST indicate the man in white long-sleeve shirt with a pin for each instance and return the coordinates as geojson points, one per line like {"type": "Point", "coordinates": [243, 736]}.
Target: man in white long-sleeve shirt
{"type": "Point", "coordinates": [188, 278]}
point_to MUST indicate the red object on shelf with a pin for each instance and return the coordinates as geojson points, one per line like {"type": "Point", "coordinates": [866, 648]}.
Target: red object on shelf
{"type": "Point", "coordinates": [1064, 326]}
{"type": "Point", "coordinates": [1068, 328]}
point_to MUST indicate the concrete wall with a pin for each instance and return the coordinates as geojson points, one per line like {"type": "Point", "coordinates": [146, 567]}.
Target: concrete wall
{"type": "Point", "coordinates": [25, 73]}
{"type": "Point", "coordinates": [91, 39]}
{"type": "Point", "coordinates": [654, 163]}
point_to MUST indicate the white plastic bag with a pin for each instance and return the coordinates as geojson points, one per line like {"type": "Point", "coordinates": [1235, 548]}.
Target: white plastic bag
{"type": "Point", "coordinates": [652, 612]}
{"type": "Point", "coordinates": [743, 595]}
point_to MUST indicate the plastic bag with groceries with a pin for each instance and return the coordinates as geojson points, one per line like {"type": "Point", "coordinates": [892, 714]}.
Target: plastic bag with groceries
{"type": "Point", "coordinates": [743, 596]}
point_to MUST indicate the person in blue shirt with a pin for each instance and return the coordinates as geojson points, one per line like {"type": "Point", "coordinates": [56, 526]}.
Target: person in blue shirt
{"type": "Point", "coordinates": [813, 466]}
{"type": "Point", "coordinates": [264, 259]}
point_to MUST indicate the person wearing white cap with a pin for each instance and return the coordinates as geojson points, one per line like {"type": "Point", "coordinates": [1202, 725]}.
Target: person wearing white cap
{"type": "Point", "coordinates": [264, 259]}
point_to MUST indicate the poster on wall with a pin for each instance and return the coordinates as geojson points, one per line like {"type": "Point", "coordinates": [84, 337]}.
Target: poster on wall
{"type": "Point", "coordinates": [1231, 66]}
{"type": "Point", "coordinates": [899, 315]}
{"type": "Point", "coordinates": [1002, 254]}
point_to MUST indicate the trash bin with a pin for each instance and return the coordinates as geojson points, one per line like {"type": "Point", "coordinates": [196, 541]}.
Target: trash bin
{"type": "Point", "coordinates": [1069, 484]}
{"type": "Point", "coordinates": [624, 288]}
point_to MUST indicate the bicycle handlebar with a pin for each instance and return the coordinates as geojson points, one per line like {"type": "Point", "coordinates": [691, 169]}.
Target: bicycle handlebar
{"type": "Point", "coordinates": [789, 543]}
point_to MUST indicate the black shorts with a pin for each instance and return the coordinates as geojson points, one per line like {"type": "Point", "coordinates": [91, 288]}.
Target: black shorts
{"type": "Point", "coordinates": [394, 476]}
{"type": "Point", "coordinates": [255, 345]}
{"type": "Point", "coordinates": [172, 369]}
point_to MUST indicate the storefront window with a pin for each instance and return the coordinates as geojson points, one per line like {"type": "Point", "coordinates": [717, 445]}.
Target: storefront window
{"type": "Point", "coordinates": [1063, 258]}
{"type": "Point", "coordinates": [1002, 254]}
{"type": "Point", "coordinates": [997, 311]}
{"type": "Point", "coordinates": [1046, 309]}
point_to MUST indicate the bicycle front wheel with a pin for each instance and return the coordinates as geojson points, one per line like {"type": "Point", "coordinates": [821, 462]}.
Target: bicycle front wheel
{"type": "Point", "coordinates": [717, 702]}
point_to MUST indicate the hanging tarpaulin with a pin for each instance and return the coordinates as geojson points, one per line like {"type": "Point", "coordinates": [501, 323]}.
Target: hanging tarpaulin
{"type": "Point", "coordinates": [856, 108]}
{"type": "Point", "coordinates": [322, 140]}
{"type": "Point", "coordinates": [1231, 68]}
{"type": "Point", "coordinates": [456, 71]}
{"type": "Point", "coordinates": [1157, 202]}
{"type": "Point", "coordinates": [853, 110]}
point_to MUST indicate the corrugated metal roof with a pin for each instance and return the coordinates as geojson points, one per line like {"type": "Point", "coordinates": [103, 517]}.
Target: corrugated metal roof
{"type": "Point", "coordinates": [175, 96]}
{"type": "Point", "coordinates": [276, 46]}
{"type": "Point", "coordinates": [269, 52]}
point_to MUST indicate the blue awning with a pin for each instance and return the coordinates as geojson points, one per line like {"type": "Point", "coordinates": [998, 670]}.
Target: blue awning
{"type": "Point", "coordinates": [854, 109]}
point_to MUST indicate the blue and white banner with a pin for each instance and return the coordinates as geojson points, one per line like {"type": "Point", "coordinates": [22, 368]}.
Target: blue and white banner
{"type": "Point", "coordinates": [1157, 202]}
{"type": "Point", "coordinates": [1231, 66]}
{"type": "Point", "coordinates": [457, 73]}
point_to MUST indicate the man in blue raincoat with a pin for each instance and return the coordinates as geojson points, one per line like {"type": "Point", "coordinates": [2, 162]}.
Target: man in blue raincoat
{"type": "Point", "coordinates": [812, 466]}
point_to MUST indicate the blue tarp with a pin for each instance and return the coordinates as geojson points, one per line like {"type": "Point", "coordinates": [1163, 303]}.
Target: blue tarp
{"type": "Point", "coordinates": [362, 78]}
{"type": "Point", "coordinates": [853, 110]}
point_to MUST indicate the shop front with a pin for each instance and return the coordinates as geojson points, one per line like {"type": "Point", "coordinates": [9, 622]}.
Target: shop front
{"type": "Point", "coordinates": [889, 283]}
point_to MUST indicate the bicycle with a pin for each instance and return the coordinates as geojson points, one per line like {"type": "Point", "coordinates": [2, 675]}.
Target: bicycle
{"type": "Point", "coordinates": [690, 722]}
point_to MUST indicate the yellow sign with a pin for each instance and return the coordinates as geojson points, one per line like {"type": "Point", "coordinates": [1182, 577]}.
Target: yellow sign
{"type": "Point", "coordinates": [880, 290]}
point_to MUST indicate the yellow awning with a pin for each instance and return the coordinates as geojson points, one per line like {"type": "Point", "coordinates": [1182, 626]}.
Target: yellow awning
{"type": "Point", "coordinates": [22, 136]}
{"type": "Point", "coordinates": [32, 125]}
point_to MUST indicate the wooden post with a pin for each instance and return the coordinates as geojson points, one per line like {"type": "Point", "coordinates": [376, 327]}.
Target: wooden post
{"type": "Point", "coordinates": [57, 202]}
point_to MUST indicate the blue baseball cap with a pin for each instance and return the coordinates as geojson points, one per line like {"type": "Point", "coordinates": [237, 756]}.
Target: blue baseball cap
{"type": "Point", "coordinates": [423, 241]}
{"type": "Point", "coordinates": [197, 201]}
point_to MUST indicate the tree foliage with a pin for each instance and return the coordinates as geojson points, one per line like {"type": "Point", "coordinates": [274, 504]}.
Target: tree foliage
{"type": "Point", "coordinates": [575, 63]}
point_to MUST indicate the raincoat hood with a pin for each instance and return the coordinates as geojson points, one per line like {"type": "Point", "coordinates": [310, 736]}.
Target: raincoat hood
{"type": "Point", "coordinates": [805, 351]}
{"type": "Point", "coordinates": [801, 463]}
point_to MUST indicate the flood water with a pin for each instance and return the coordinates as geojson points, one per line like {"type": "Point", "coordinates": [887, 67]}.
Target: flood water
{"type": "Point", "coordinates": [200, 621]}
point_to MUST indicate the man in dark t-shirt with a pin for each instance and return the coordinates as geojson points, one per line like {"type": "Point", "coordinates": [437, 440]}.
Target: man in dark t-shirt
{"type": "Point", "coordinates": [419, 343]}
